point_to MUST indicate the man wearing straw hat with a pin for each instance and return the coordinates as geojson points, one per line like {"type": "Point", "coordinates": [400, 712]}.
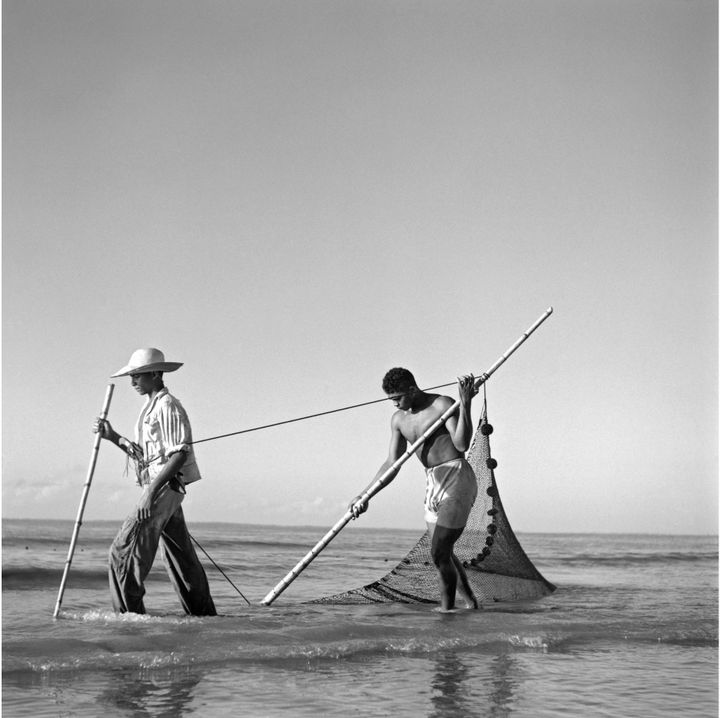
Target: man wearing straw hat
{"type": "Point", "coordinates": [165, 464]}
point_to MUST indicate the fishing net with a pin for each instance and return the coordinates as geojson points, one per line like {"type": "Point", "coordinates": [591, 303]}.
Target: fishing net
{"type": "Point", "coordinates": [496, 564]}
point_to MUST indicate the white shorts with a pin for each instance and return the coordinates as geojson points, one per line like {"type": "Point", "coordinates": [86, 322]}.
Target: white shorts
{"type": "Point", "coordinates": [450, 493]}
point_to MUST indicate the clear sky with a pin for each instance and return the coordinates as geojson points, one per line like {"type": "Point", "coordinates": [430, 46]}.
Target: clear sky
{"type": "Point", "coordinates": [291, 197]}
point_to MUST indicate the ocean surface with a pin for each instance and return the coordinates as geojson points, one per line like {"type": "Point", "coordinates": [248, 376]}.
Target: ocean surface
{"type": "Point", "coordinates": [630, 631]}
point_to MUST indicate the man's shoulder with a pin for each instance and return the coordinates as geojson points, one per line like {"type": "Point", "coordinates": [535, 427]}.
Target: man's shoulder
{"type": "Point", "coordinates": [167, 401]}
{"type": "Point", "coordinates": [440, 401]}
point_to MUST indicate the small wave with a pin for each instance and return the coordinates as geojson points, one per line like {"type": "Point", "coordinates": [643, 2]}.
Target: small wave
{"type": "Point", "coordinates": [110, 617]}
{"type": "Point", "coordinates": [238, 544]}
{"type": "Point", "coordinates": [533, 642]}
{"type": "Point", "coordinates": [632, 559]}
{"type": "Point", "coordinates": [237, 650]}
{"type": "Point", "coordinates": [698, 639]}
{"type": "Point", "coordinates": [34, 577]}
{"type": "Point", "coordinates": [176, 642]}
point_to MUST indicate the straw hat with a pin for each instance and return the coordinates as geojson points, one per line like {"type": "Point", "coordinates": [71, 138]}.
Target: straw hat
{"type": "Point", "coordinates": [147, 360]}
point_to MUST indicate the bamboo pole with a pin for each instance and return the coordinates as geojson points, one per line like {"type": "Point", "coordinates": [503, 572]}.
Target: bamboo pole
{"type": "Point", "coordinates": [377, 485]}
{"type": "Point", "coordinates": [83, 500]}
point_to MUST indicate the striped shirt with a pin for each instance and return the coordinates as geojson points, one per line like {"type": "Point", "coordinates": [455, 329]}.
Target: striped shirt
{"type": "Point", "coordinates": [163, 429]}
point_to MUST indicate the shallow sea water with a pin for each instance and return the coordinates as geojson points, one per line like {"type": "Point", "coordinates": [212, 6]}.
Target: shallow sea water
{"type": "Point", "coordinates": [631, 631]}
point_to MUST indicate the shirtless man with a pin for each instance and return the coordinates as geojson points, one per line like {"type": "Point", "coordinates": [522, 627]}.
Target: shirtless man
{"type": "Point", "coordinates": [451, 483]}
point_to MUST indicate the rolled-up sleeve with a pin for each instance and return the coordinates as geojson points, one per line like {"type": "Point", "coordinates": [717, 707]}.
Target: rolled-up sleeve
{"type": "Point", "coordinates": [175, 428]}
{"type": "Point", "coordinates": [166, 431]}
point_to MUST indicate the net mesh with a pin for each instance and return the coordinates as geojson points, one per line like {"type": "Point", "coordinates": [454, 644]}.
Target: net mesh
{"type": "Point", "coordinates": [496, 564]}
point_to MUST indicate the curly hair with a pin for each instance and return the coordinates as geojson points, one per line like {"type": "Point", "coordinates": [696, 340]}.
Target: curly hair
{"type": "Point", "coordinates": [397, 380]}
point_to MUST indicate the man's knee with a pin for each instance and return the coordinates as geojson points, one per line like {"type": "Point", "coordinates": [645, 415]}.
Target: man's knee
{"type": "Point", "coordinates": [443, 541]}
{"type": "Point", "coordinates": [441, 556]}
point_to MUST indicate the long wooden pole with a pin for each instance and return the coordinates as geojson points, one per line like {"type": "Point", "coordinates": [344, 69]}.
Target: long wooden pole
{"type": "Point", "coordinates": [83, 500]}
{"type": "Point", "coordinates": [377, 485]}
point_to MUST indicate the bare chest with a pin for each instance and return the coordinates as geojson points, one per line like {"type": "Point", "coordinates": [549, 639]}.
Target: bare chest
{"type": "Point", "coordinates": [413, 426]}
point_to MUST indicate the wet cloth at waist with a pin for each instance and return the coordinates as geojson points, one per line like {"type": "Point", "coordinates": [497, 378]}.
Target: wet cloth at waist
{"type": "Point", "coordinates": [450, 493]}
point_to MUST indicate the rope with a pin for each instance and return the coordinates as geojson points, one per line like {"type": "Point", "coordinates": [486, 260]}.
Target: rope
{"type": "Point", "coordinates": [303, 418]}
{"type": "Point", "coordinates": [219, 569]}
{"type": "Point", "coordinates": [308, 416]}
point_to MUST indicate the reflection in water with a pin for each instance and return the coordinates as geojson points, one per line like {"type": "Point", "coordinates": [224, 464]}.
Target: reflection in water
{"type": "Point", "coordinates": [451, 690]}
{"type": "Point", "coordinates": [156, 694]}
{"type": "Point", "coordinates": [505, 682]}
{"type": "Point", "coordinates": [460, 688]}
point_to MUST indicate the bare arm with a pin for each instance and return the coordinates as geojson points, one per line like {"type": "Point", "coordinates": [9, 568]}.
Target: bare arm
{"type": "Point", "coordinates": [459, 425]}
{"type": "Point", "coordinates": [104, 428]}
{"type": "Point", "coordinates": [398, 444]}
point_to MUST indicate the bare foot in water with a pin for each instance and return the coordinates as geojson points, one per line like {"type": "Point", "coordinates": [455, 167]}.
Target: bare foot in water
{"type": "Point", "coordinates": [468, 599]}
{"type": "Point", "coordinates": [464, 589]}
{"type": "Point", "coordinates": [468, 602]}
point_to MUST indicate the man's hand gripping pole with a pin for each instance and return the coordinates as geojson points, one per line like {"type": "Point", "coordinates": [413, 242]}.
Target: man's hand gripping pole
{"type": "Point", "coordinates": [86, 489]}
